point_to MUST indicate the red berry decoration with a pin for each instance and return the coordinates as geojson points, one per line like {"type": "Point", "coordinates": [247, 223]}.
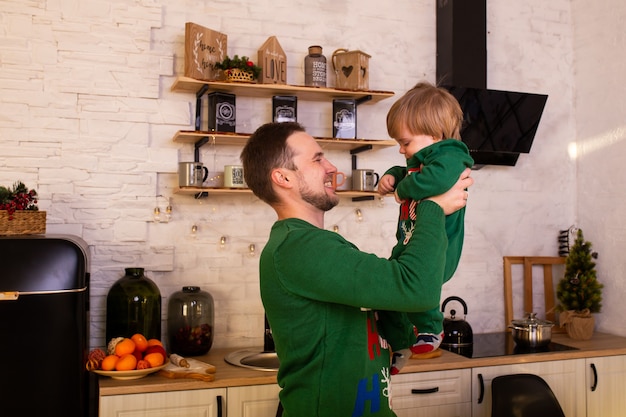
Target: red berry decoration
{"type": "Point", "coordinates": [95, 358]}
{"type": "Point", "coordinates": [17, 198]}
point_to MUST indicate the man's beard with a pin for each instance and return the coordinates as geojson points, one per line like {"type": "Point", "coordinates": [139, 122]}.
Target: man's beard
{"type": "Point", "coordinates": [321, 200]}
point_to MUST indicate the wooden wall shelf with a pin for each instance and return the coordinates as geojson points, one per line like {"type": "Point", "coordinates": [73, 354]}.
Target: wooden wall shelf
{"type": "Point", "coordinates": [200, 138]}
{"type": "Point", "coordinates": [191, 85]}
{"type": "Point", "coordinates": [357, 195]}
{"type": "Point", "coordinates": [240, 139]}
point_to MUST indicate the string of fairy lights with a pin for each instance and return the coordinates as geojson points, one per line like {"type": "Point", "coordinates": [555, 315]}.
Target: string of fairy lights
{"type": "Point", "coordinates": [224, 240]}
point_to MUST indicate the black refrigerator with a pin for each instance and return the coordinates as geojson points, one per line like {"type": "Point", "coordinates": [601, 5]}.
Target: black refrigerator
{"type": "Point", "coordinates": [44, 322]}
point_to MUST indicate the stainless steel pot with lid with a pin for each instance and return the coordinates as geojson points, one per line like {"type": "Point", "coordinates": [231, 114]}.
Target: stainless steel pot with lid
{"type": "Point", "coordinates": [457, 332]}
{"type": "Point", "coordinates": [531, 332]}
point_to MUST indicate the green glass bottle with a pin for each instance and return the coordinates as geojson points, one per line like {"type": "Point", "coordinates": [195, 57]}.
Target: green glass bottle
{"type": "Point", "coordinates": [133, 306]}
{"type": "Point", "coordinates": [190, 320]}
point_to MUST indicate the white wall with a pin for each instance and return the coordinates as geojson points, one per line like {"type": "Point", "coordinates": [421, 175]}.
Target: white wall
{"type": "Point", "coordinates": [600, 109]}
{"type": "Point", "coordinates": [88, 118]}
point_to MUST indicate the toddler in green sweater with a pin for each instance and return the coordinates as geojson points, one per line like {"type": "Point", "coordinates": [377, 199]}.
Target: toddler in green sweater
{"type": "Point", "coordinates": [426, 123]}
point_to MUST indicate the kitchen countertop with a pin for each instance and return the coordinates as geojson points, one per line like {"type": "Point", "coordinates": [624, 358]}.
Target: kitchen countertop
{"type": "Point", "coordinates": [226, 375]}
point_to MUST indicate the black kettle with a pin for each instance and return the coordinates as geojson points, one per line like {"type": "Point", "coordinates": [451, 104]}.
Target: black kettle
{"type": "Point", "coordinates": [457, 332]}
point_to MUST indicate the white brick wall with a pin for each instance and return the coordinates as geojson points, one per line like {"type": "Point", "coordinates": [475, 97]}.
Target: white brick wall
{"type": "Point", "coordinates": [87, 117]}
{"type": "Point", "coordinates": [600, 105]}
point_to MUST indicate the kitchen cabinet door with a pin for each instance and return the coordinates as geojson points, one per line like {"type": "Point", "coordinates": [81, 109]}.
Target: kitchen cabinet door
{"type": "Point", "coordinates": [606, 382]}
{"type": "Point", "coordinates": [565, 378]}
{"type": "Point", "coordinates": [432, 394]}
{"type": "Point", "coordinates": [192, 403]}
{"type": "Point", "coordinates": [253, 401]}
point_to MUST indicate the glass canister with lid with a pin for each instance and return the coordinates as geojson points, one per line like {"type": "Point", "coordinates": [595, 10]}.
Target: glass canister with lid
{"type": "Point", "coordinates": [315, 67]}
{"type": "Point", "coordinates": [133, 306]}
{"type": "Point", "coordinates": [190, 320]}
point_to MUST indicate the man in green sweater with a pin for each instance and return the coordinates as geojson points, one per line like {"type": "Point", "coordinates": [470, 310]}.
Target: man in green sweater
{"type": "Point", "coordinates": [333, 361]}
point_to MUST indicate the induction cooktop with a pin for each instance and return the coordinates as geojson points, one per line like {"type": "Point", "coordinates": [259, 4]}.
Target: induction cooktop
{"type": "Point", "coordinates": [501, 344]}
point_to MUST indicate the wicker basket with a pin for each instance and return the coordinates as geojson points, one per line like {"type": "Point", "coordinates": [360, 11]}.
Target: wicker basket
{"type": "Point", "coordinates": [239, 76]}
{"type": "Point", "coordinates": [24, 222]}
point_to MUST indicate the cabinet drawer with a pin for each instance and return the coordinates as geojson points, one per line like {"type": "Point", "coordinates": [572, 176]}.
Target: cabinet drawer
{"type": "Point", "coordinates": [431, 388]}
{"type": "Point", "coordinates": [253, 401]}
{"type": "Point", "coordinates": [193, 403]}
{"type": "Point", "coordinates": [451, 410]}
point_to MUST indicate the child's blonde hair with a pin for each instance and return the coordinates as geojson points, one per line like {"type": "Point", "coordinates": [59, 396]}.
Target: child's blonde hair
{"type": "Point", "coordinates": [426, 110]}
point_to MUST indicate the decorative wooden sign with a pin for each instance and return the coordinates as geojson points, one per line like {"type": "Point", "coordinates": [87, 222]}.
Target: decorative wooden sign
{"type": "Point", "coordinates": [351, 69]}
{"type": "Point", "coordinates": [273, 60]}
{"type": "Point", "coordinates": [203, 48]}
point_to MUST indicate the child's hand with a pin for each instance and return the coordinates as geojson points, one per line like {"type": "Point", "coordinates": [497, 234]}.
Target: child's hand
{"type": "Point", "coordinates": [386, 184]}
{"type": "Point", "coordinates": [398, 199]}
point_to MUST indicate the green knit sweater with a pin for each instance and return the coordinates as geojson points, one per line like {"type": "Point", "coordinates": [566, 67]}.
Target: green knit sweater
{"type": "Point", "coordinates": [333, 361]}
{"type": "Point", "coordinates": [432, 171]}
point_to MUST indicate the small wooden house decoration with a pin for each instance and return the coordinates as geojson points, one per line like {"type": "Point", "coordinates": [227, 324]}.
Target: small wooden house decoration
{"type": "Point", "coordinates": [351, 69]}
{"type": "Point", "coordinates": [273, 61]}
{"type": "Point", "coordinates": [203, 48]}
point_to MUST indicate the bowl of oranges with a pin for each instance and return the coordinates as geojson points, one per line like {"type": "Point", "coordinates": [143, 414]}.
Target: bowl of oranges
{"type": "Point", "coordinates": [128, 358]}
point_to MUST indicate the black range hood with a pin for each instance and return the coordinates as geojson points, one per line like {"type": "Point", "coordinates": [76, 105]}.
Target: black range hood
{"type": "Point", "coordinates": [497, 125]}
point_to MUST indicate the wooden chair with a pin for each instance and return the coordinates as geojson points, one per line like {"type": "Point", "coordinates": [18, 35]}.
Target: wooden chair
{"type": "Point", "coordinates": [528, 262]}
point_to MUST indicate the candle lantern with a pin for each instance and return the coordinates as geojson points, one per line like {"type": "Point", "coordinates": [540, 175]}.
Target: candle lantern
{"type": "Point", "coordinates": [351, 69]}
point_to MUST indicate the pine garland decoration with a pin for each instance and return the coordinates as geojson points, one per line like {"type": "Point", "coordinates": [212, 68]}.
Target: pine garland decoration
{"type": "Point", "coordinates": [242, 63]}
{"type": "Point", "coordinates": [579, 289]}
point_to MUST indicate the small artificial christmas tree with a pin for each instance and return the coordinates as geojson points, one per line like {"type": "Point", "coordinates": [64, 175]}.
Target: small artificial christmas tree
{"type": "Point", "coordinates": [579, 291]}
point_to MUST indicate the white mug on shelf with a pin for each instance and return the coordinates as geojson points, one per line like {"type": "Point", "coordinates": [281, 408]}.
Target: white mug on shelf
{"type": "Point", "coordinates": [233, 176]}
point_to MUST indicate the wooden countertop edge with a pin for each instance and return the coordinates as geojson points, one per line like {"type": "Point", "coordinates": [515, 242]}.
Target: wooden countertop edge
{"type": "Point", "coordinates": [161, 384]}
{"type": "Point", "coordinates": [227, 375]}
{"type": "Point", "coordinates": [601, 344]}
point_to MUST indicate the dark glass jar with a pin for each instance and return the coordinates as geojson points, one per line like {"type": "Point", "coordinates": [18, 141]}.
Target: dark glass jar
{"type": "Point", "coordinates": [190, 322]}
{"type": "Point", "coordinates": [315, 67]}
{"type": "Point", "coordinates": [133, 306]}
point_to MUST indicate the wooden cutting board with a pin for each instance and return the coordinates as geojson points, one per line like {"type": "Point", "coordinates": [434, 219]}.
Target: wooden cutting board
{"type": "Point", "coordinates": [197, 370]}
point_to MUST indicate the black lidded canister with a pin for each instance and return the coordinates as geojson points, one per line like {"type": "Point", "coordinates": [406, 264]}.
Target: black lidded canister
{"type": "Point", "coordinates": [284, 109]}
{"type": "Point", "coordinates": [344, 118]}
{"type": "Point", "coordinates": [222, 112]}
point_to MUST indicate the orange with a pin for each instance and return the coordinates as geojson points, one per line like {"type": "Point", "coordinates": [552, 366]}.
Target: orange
{"type": "Point", "coordinates": [124, 347]}
{"type": "Point", "coordinates": [141, 343]}
{"type": "Point", "coordinates": [154, 359]}
{"type": "Point", "coordinates": [127, 362]}
{"type": "Point", "coordinates": [108, 363]}
{"type": "Point", "coordinates": [153, 342]}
